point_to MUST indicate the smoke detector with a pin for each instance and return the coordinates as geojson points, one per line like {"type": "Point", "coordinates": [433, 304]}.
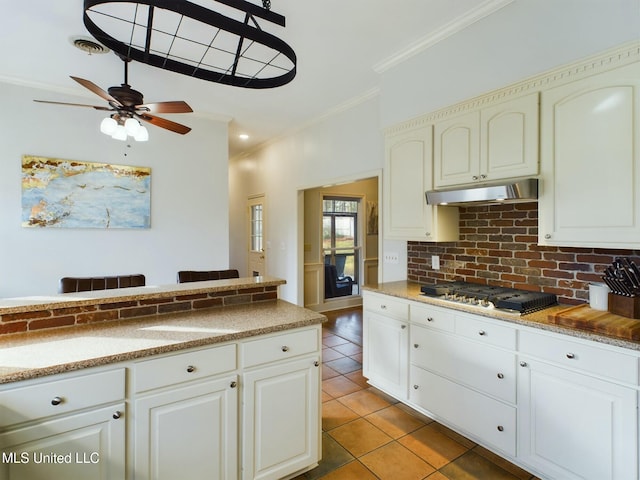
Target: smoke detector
{"type": "Point", "coordinates": [88, 45]}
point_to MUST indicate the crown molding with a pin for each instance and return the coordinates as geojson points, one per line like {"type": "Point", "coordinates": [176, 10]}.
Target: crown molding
{"type": "Point", "coordinates": [611, 59]}
{"type": "Point", "coordinates": [460, 23]}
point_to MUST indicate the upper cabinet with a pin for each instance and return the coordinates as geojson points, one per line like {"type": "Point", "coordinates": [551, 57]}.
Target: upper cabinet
{"type": "Point", "coordinates": [489, 144]}
{"type": "Point", "coordinates": [590, 161]}
{"type": "Point", "coordinates": [407, 176]}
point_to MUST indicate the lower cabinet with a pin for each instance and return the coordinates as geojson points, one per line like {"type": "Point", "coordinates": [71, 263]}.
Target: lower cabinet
{"type": "Point", "coordinates": [191, 429]}
{"type": "Point", "coordinates": [574, 426]}
{"type": "Point", "coordinates": [281, 418]}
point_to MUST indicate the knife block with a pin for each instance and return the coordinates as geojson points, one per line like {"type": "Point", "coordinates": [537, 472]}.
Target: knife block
{"type": "Point", "coordinates": [625, 306]}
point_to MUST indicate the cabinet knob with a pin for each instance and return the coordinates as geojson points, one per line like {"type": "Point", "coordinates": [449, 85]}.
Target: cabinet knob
{"type": "Point", "coordinates": [482, 333]}
{"type": "Point", "coordinates": [429, 319]}
{"type": "Point", "coordinates": [427, 234]}
{"type": "Point", "coordinates": [285, 348]}
{"type": "Point", "coordinates": [233, 384]}
{"type": "Point", "coordinates": [500, 428]}
{"type": "Point", "coordinates": [383, 307]}
{"type": "Point", "coordinates": [316, 363]}
{"type": "Point", "coordinates": [547, 236]}
{"type": "Point", "coordinates": [191, 369]}
{"type": "Point", "coordinates": [523, 364]}
{"type": "Point", "coordinates": [483, 177]}
{"type": "Point", "coordinates": [571, 355]}
{"type": "Point", "coordinates": [415, 345]}
{"type": "Point", "coordinates": [475, 177]}
{"type": "Point", "coordinates": [56, 401]}
{"type": "Point", "coordinates": [117, 414]}
{"type": "Point", "coordinates": [501, 376]}
{"type": "Point", "coordinates": [403, 327]}
{"type": "Point", "coordinates": [415, 387]}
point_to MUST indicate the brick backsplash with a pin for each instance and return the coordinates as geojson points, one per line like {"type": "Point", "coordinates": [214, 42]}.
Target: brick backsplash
{"type": "Point", "coordinates": [101, 312]}
{"type": "Point", "coordinates": [498, 246]}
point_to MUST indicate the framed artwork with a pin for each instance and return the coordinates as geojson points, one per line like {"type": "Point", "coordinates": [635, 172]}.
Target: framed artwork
{"type": "Point", "coordinates": [59, 193]}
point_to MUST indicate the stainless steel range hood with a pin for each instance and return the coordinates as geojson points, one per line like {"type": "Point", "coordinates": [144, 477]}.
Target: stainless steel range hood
{"type": "Point", "coordinates": [512, 192]}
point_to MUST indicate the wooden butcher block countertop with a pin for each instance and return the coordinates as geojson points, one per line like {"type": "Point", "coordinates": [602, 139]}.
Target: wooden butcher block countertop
{"type": "Point", "coordinates": [585, 318]}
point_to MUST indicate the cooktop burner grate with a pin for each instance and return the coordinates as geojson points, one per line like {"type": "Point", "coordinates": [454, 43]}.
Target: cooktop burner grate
{"type": "Point", "coordinates": [488, 296]}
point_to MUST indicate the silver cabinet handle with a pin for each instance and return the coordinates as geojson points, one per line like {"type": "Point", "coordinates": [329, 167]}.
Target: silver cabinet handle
{"type": "Point", "coordinates": [500, 428]}
{"type": "Point", "coordinates": [316, 363]}
{"type": "Point", "coordinates": [233, 384]}
{"type": "Point", "coordinates": [483, 176]}
{"type": "Point", "coordinates": [501, 376]}
{"type": "Point", "coordinates": [523, 364]}
{"type": "Point", "coordinates": [403, 327]}
{"type": "Point", "coordinates": [415, 345]}
{"type": "Point", "coordinates": [482, 333]}
{"type": "Point", "coordinates": [475, 177]}
{"type": "Point", "coordinates": [427, 234]}
{"type": "Point", "coordinates": [117, 414]}
{"type": "Point", "coordinates": [285, 348]}
{"type": "Point", "coordinates": [547, 236]}
{"type": "Point", "coordinates": [56, 401]}
{"type": "Point", "coordinates": [383, 307]}
{"type": "Point", "coordinates": [429, 319]}
{"type": "Point", "coordinates": [571, 355]}
{"type": "Point", "coordinates": [415, 387]}
{"type": "Point", "coordinates": [191, 369]}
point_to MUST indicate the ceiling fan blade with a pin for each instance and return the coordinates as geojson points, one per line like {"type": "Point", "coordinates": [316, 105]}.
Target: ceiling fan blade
{"type": "Point", "coordinates": [96, 89]}
{"type": "Point", "coordinates": [164, 123]}
{"type": "Point", "coordinates": [76, 105]}
{"type": "Point", "coordinates": [166, 107]}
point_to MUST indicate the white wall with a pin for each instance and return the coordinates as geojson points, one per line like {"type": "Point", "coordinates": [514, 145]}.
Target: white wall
{"type": "Point", "coordinates": [525, 38]}
{"type": "Point", "coordinates": [189, 197]}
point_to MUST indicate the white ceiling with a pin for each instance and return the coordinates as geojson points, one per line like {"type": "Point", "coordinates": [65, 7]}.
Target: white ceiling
{"type": "Point", "coordinates": [341, 47]}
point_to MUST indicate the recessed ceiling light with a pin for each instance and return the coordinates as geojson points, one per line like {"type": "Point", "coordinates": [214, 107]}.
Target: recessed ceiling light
{"type": "Point", "coordinates": [243, 136]}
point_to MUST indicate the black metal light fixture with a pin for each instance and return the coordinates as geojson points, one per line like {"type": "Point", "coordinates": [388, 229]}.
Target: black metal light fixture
{"type": "Point", "coordinates": [225, 45]}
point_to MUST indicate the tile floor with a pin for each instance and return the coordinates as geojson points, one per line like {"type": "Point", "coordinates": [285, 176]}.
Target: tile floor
{"type": "Point", "coordinates": [368, 435]}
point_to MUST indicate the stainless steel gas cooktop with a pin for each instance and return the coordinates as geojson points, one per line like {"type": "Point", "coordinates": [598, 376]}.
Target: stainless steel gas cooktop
{"type": "Point", "coordinates": [487, 296]}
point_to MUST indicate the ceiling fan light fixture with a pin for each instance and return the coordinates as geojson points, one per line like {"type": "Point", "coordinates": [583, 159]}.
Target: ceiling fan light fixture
{"type": "Point", "coordinates": [142, 135]}
{"type": "Point", "coordinates": [120, 133]}
{"type": "Point", "coordinates": [132, 126]}
{"type": "Point", "coordinates": [108, 126]}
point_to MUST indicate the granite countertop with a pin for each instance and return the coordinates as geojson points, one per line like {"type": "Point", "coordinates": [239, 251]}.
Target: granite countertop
{"type": "Point", "coordinates": [61, 300]}
{"type": "Point", "coordinates": [32, 355]}
{"type": "Point", "coordinates": [411, 291]}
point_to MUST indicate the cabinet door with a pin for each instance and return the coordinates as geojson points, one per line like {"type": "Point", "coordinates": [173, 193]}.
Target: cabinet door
{"type": "Point", "coordinates": [509, 139]}
{"type": "Point", "coordinates": [386, 357]}
{"type": "Point", "coordinates": [591, 162]}
{"type": "Point", "coordinates": [74, 447]}
{"type": "Point", "coordinates": [457, 150]}
{"type": "Point", "coordinates": [281, 418]}
{"type": "Point", "coordinates": [407, 176]}
{"type": "Point", "coordinates": [192, 427]}
{"type": "Point", "coordinates": [573, 426]}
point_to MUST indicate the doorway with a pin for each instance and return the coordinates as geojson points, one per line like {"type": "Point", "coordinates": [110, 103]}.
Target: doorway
{"type": "Point", "coordinates": [341, 246]}
{"type": "Point", "coordinates": [256, 254]}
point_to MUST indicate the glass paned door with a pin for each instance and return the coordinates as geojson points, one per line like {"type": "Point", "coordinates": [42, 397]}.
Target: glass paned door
{"type": "Point", "coordinates": [341, 246]}
{"type": "Point", "coordinates": [256, 254]}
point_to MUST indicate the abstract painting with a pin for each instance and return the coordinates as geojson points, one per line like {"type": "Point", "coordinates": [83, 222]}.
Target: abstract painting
{"type": "Point", "coordinates": [74, 194]}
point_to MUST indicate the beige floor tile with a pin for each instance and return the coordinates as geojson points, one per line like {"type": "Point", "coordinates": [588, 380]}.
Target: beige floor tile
{"type": "Point", "coordinates": [394, 462]}
{"type": "Point", "coordinates": [339, 386]}
{"type": "Point", "coordinates": [329, 354]}
{"type": "Point", "coordinates": [335, 414]}
{"type": "Point", "coordinates": [394, 421]}
{"type": "Point", "coordinates": [359, 437]}
{"type": "Point", "coordinates": [363, 402]}
{"type": "Point", "coordinates": [503, 463]}
{"type": "Point", "coordinates": [328, 372]}
{"type": "Point", "coordinates": [358, 378]}
{"type": "Point", "coordinates": [436, 476]}
{"type": "Point", "coordinates": [462, 440]}
{"type": "Point", "coordinates": [348, 349]}
{"type": "Point", "coordinates": [472, 466]}
{"type": "Point", "coordinates": [344, 365]}
{"type": "Point", "coordinates": [351, 471]}
{"type": "Point", "coordinates": [430, 444]}
{"type": "Point", "coordinates": [326, 397]}
{"type": "Point", "coordinates": [357, 357]}
{"type": "Point", "coordinates": [333, 340]}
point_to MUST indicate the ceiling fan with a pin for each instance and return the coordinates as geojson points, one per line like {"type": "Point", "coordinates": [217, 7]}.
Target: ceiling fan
{"type": "Point", "coordinates": [127, 106]}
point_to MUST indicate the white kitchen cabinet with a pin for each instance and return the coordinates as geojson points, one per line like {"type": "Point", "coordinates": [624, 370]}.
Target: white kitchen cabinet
{"type": "Point", "coordinates": [186, 413]}
{"type": "Point", "coordinates": [385, 337]}
{"type": "Point", "coordinates": [496, 142]}
{"type": "Point", "coordinates": [72, 427]}
{"type": "Point", "coordinates": [281, 404]}
{"type": "Point", "coordinates": [590, 161]}
{"type": "Point", "coordinates": [407, 176]}
{"type": "Point", "coordinates": [574, 426]}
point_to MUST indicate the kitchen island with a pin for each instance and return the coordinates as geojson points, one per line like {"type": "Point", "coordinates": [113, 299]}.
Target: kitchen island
{"type": "Point", "coordinates": [230, 390]}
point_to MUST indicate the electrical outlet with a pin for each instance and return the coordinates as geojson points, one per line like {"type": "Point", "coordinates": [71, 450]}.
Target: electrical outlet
{"type": "Point", "coordinates": [435, 262]}
{"type": "Point", "coordinates": [391, 257]}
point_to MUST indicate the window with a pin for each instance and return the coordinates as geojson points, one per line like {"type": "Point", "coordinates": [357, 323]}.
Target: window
{"type": "Point", "coordinates": [340, 237]}
{"type": "Point", "coordinates": [256, 228]}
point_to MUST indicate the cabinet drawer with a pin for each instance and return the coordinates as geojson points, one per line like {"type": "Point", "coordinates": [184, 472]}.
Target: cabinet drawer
{"type": "Point", "coordinates": [589, 358]}
{"type": "Point", "coordinates": [486, 332]}
{"type": "Point", "coordinates": [487, 419]}
{"type": "Point", "coordinates": [433, 317]}
{"type": "Point", "coordinates": [183, 367]}
{"type": "Point", "coordinates": [386, 305]}
{"type": "Point", "coordinates": [60, 396]}
{"type": "Point", "coordinates": [279, 347]}
{"type": "Point", "coordinates": [484, 368]}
